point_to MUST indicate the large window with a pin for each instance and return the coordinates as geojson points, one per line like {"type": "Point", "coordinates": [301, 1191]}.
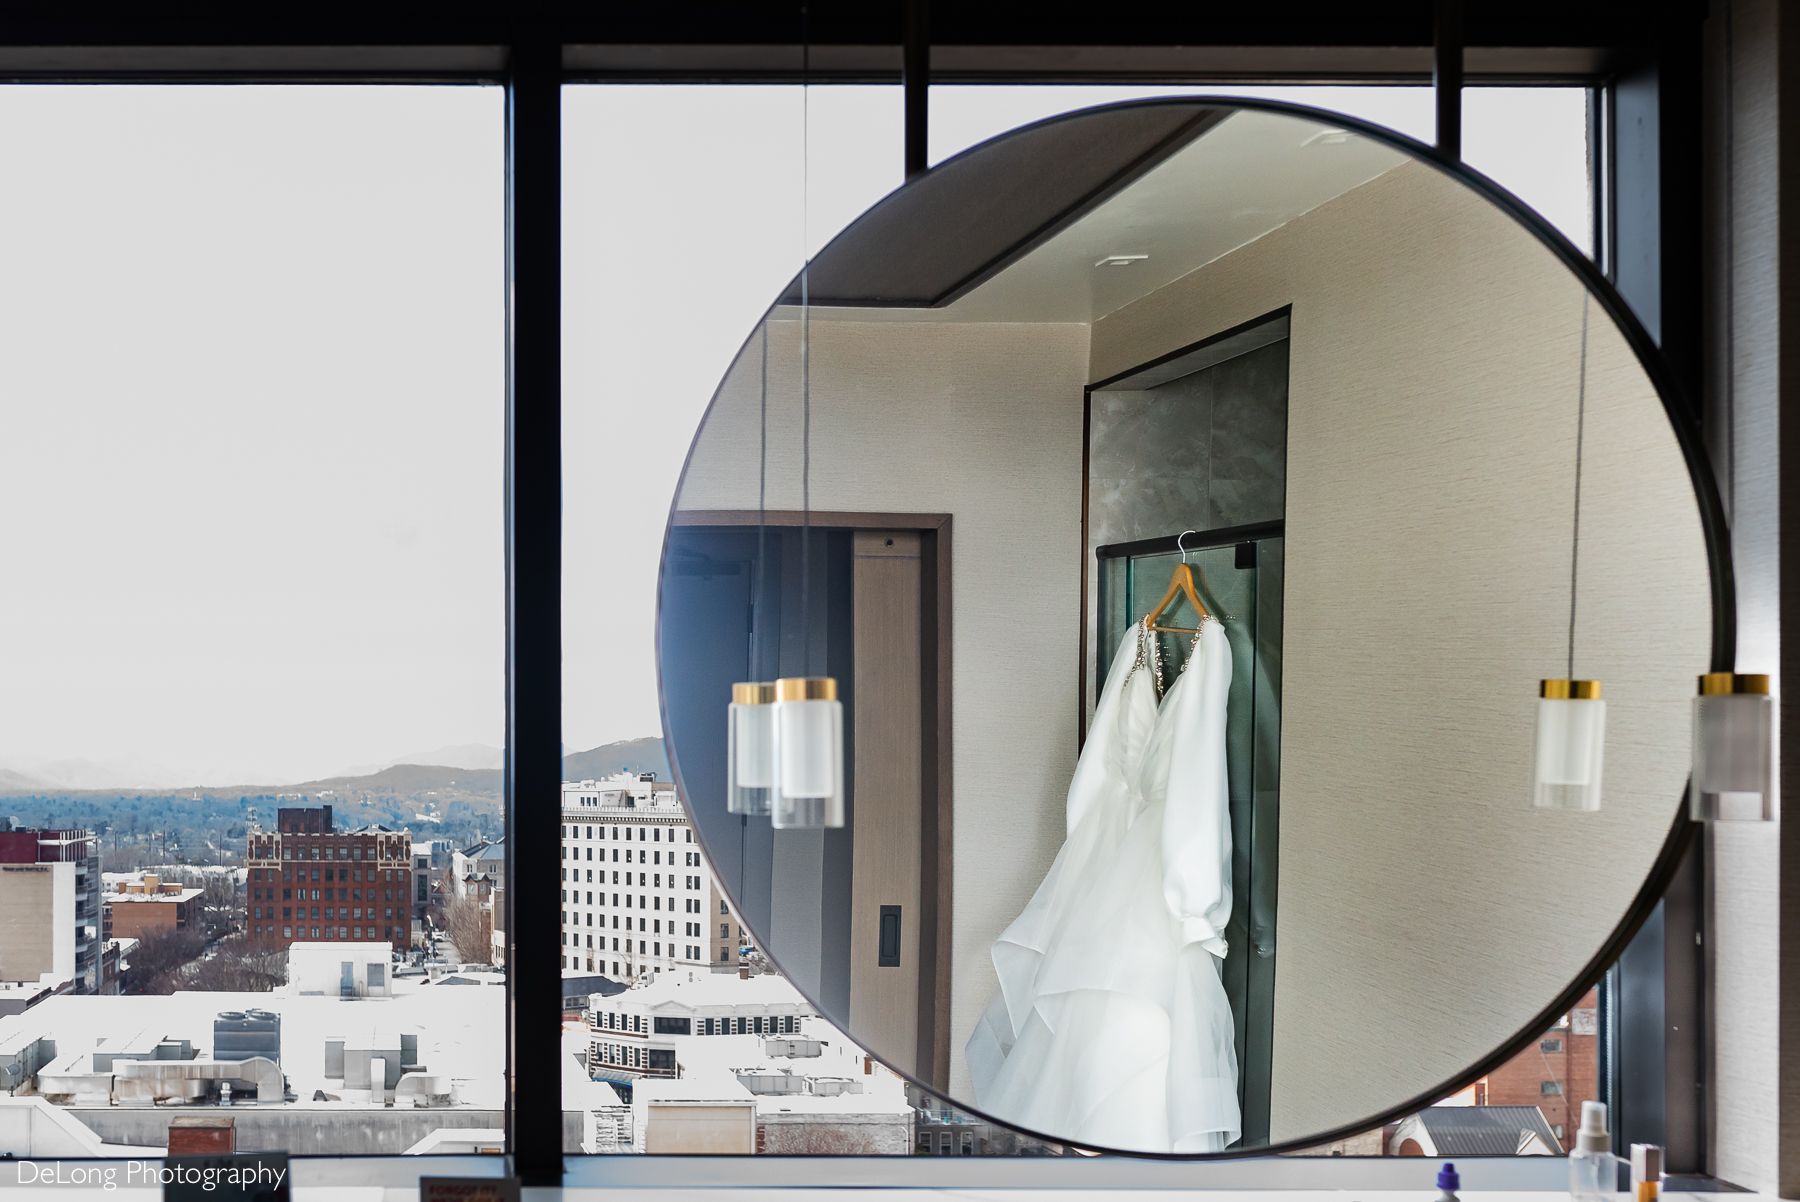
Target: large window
{"type": "Point", "coordinates": [251, 485]}
{"type": "Point", "coordinates": [252, 357]}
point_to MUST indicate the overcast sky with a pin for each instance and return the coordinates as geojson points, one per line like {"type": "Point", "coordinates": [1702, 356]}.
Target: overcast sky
{"type": "Point", "coordinates": [251, 389]}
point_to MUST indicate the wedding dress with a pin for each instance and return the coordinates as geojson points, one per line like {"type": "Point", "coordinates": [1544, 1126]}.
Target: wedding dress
{"type": "Point", "coordinates": [1111, 1026]}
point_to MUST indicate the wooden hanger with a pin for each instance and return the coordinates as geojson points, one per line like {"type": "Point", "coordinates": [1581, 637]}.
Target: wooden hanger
{"type": "Point", "coordinates": [1181, 584]}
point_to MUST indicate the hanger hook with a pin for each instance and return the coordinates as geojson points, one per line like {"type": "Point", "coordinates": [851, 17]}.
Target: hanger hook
{"type": "Point", "coordinates": [1181, 548]}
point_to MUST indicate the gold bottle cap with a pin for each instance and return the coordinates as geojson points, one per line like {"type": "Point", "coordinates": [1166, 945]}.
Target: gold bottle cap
{"type": "Point", "coordinates": [806, 688]}
{"type": "Point", "coordinates": [752, 693]}
{"type": "Point", "coordinates": [1714, 684]}
{"type": "Point", "coordinates": [1569, 690]}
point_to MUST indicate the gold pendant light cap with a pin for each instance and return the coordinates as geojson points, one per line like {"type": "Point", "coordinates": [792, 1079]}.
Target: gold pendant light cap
{"type": "Point", "coordinates": [806, 688]}
{"type": "Point", "coordinates": [752, 693]}
{"type": "Point", "coordinates": [1715, 684]}
{"type": "Point", "coordinates": [1569, 690]}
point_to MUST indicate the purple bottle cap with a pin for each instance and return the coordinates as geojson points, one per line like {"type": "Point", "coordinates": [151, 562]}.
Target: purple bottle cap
{"type": "Point", "coordinates": [1447, 1177]}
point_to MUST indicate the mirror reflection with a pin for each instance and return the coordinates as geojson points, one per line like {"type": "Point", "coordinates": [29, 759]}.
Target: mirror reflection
{"type": "Point", "coordinates": [1260, 590]}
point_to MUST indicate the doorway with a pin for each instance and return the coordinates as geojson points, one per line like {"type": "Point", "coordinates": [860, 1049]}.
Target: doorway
{"type": "Point", "coordinates": [858, 917]}
{"type": "Point", "coordinates": [1238, 573]}
{"type": "Point", "coordinates": [1186, 457]}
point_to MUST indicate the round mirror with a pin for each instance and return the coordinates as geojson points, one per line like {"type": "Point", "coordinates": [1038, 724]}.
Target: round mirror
{"type": "Point", "coordinates": [1210, 517]}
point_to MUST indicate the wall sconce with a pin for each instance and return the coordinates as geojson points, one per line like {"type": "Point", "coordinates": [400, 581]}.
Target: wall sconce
{"type": "Point", "coordinates": [1570, 745]}
{"type": "Point", "coordinates": [1734, 722]}
{"type": "Point", "coordinates": [809, 754]}
{"type": "Point", "coordinates": [750, 748]}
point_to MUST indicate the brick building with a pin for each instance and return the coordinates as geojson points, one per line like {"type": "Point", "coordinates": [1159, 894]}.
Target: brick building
{"type": "Point", "coordinates": [1559, 1071]}
{"type": "Point", "coordinates": [309, 881]}
{"type": "Point", "coordinates": [148, 905]}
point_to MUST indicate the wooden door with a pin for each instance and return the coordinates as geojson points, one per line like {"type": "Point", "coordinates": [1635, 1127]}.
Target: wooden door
{"type": "Point", "coordinates": [884, 964]}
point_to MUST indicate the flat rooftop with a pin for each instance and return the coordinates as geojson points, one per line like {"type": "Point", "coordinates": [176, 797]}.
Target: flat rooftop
{"type": "Point", "coordinates": [114, 899]}
{"type": "Point", "coordinates": [710, 1064]}
{"type": "Point", "coordinates": [697, 988]}
{"type": "Point", "coordinates": [461, 1031]}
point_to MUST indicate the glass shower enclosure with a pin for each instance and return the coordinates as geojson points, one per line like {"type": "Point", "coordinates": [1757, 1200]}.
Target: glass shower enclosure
{"type": "Point", "coordinates": [1238, 573]}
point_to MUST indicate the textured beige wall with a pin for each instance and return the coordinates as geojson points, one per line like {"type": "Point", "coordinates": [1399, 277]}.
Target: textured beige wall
{"type": "Point", "coordinates": [708, 1129]}
{"type": "Point", "coordinates": [29, 933]}
{"type": "Point", "coordinates": [1426, 910]}
{"type": "Point", "coordinates": [982, 422]}
{"type": "Point", "coordinates": [1754, 1139]}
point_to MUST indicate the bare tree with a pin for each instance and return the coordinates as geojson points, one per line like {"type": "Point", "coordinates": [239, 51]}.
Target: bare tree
{"type": "Point", "coordinates": [155, 967]}
{"type": "Point", "coordinates": [219, 902]}
{"type": "Point", "coordinates": [236, 965]}
{"type": "Point", "coordinates": [219, 891]}
{"type": "Point", "coordinates": [470, 928]}
{"type": "Point", "coordinates": [127, 858]}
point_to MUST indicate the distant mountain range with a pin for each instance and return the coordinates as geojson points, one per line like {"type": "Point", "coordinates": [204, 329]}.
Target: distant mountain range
{"type": "Point", "coordinates": [27, 773]}
{"type": "Point", "coordinates": [631, 755]}
{"type": "Point", "coordinates": [14, 782]}
{"type": "Point", "coordinates": [473, 769]}
{"type": "Point", "coordinates": [457, 755]}
{"type": "Point", "coordinates": [435, 801]}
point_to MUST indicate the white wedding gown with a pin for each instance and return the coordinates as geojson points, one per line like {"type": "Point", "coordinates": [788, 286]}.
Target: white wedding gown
{"type": "Point", "coordinates": [1111, 1026]}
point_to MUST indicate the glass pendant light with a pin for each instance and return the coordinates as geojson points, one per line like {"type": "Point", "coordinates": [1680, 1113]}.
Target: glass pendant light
{"type": "Point", "coordinates": [1734, 722]}
{"type": "Point", "coordinates": [809, 754]}
{"type": "Point", "coordinates": [1571, 745]}
{"type": "Point", "coordinates": [750, 748]}
{"type": "Point", "coordinates": [1570, 748]}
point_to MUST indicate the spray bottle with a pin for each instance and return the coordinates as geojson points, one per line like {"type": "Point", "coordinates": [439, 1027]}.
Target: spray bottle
{"type": "Point", "coordinates": [1593, 1169]}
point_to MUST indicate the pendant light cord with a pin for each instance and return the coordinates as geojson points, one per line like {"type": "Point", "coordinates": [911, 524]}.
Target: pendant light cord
{"type": "Point", "coordinates": [805, 352]}
{"type": "Point", "coordinates": [1580, 427]}
{"type": "Point", "coordinates": [756, 625]}
{"type": "Point", "coordinates": [1730, 257]}
{"type": "Point", "coordinates": [762, 516]}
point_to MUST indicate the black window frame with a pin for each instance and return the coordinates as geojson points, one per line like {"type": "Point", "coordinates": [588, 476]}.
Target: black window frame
{"type": "Point", "coordinates": [1643, 68]}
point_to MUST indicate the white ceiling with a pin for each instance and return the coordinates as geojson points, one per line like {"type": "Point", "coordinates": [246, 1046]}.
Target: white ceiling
{"type": "Point", "coordinates": [1252, 173]}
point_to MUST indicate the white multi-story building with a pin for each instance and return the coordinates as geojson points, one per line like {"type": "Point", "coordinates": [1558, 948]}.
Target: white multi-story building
{"type": "Point", "coordinates": [633, 1032]}
{"type": "Point", "coordinates": [637, 893]}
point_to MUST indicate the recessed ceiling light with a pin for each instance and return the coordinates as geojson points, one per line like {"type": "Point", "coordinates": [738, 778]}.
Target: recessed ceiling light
{"type": "Point", "coordinates": [1328, 137]}
{"type": "Point", "coordinates": [1120, 260]}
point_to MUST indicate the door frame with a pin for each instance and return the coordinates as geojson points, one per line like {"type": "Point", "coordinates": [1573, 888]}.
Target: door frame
{"type": "Point", "coordinates": [936, 776]}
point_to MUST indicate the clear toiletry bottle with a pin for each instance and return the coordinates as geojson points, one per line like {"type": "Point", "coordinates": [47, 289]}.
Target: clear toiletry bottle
{"type": "Point", "coordinates": [1448, 1183]}
{"type": "Point", "coordinates": [1593, 1169]}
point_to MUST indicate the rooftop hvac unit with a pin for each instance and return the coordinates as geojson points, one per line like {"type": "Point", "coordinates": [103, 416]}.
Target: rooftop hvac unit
{"type": "Point", "coordinates": [792, 1047]}
{"type": "Point", "coordinates": [612, 1130]}
{"type": "Point", "coordinates": [20, 1059]}
{"type": "Point", "coordinates": [831, 1087]}
{"type": "Point", "coordinates": [241, 1034]}
{"type": "Point", "coordinates": [762, 1083]}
